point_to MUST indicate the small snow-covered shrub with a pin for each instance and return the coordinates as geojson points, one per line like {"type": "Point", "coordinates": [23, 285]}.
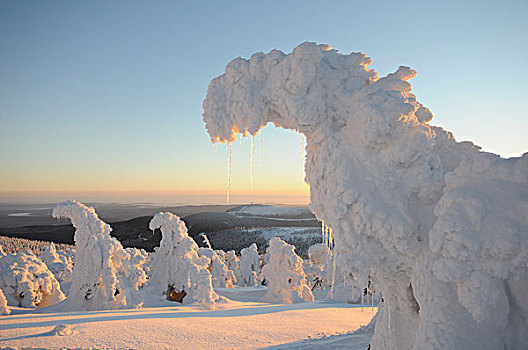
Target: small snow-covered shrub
{"type": "Point", "coordinates": [177, 269]}
{"type": "Point", "coordinates": [222, 277]}
{"type": "Point", "coordinates": [284, 274]}
{"type": "Point", "coordinates": [248, 267]}
{"type": "Point", "coordinates": [27, 282]}
{"type": "Point", "coordinates": [4, 309]}
{"type": "Point", "coordinates": [105, 276]}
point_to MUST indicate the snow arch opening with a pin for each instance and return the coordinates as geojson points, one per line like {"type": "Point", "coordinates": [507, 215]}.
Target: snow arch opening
{"type": "Point", "coordinates": [408, 204]}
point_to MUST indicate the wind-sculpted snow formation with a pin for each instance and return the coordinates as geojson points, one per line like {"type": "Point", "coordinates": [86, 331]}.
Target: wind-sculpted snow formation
{"type": "Point", "coordinates": [284, 274]}
{"type": "Point", "coordinates": [178, 272]}
{"type": "Point", "coordinates": [105, 276]}
{"type": "Point", "coordinates": [439, 226]}
{"type": "Point", "coordinates": [27, 282]}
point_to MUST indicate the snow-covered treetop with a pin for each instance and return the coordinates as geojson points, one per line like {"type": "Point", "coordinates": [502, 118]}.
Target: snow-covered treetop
{"type": "Point", "coordinates": [81, 216]}
{"type": "Point", "coordinates": [170, 225]}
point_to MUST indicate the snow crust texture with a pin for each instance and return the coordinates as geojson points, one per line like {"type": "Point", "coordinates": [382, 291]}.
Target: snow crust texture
{"type": "Point", "coordinates": [284, 274]}
{"type": "Point", "coordinates": [105, 275]}
{"type": "Point", "coordinates": [439, 226]}
{"type": "Point", "coordinates": [177, 267]}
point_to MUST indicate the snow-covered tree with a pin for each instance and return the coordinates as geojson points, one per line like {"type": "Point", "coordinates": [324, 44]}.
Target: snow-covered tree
{"type": "Point", "coordinates": [177, 271]}
{"type": "Point", "coordinates": [58, 262]}
{"type": "Point", "coordinates": [284, 274]}
{"type": "Point", "coordinates": [248, 267]}
{"type": "Point", "coordinates": [318, 266]}
{"type": "Point", "coordinates": [27, 282]}
{"type": "Point", "coordinates": [105, 275]}
{"type": "Point", "coordinates": [438, 225]}
{"type": "Point", "coordinates": [222, 277]}
{"type": "Point", "coordinates": [4, 309]}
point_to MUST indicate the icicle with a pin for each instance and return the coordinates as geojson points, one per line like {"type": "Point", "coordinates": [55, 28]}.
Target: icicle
{"type": "Point", "coordinates": [252, 162]}
{"type": "Point", "coordinates": [333, 274]}
{"type": "Point", "coordinates": [260, 155]}
{"type": "Point", "coordinates": [361, 300]}
{"type": "Point", "coordinates": [228, 172]}
{"type": "Point", "coordinates": [302, 147]}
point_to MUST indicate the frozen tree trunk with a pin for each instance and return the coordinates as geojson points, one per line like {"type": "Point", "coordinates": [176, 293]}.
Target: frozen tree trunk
{"type": "Point", "coordinates": [102, 274]}
{"type": "Point", "coordinates": [284, 274]}
{"type": "Point", "coordinates": [439, 226]}
{"type": "Point", "coordinates": [177, 269]}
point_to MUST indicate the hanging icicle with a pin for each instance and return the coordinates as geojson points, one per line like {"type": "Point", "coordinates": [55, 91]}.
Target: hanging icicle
{"type": "Point", "coordinates": [333, 273]}
{"type": "Point", "coordinates": [260, 152]}
{"type": "Point", "coordinates": [228, 172]}
{"type": "Point", "coordinates": [252, 162]}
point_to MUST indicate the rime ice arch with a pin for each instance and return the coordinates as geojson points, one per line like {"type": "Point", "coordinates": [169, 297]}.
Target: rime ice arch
{"type": "Point", "coordinates": [439, 226]}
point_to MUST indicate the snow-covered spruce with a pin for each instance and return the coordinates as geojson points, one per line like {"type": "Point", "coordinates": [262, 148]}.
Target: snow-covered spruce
{"type": "Point", "coordinates": [318, 267]}
{"type": "Point", "coordinates": [284, 274]}
{"type": "Point", "coordinates": [58, 262]}
{"type": "Point", "coordinates": [27, 282]}
{"type": "Point", "coordinates": [221, 276]}
{"type": "Point", "coordinates": [105, 276]}
{"type": "Point", "coordinates": [248, 267]}
{"type": "Point", "coordinates": [441, 228]}
{"type": "Point", "coordinates": [4, 309]}
{"type": "Point", "coordinates": [178, 273]}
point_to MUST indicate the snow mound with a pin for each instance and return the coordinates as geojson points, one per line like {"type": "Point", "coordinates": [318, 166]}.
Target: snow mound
{"type": "Point", "coordinates": [284, 274]}
{"type": "Point", "coordinates": [178, 272]}
{"type": "Point", "coordinates": [27, 282]}
{"type": "Point", "coordinates": [62, 330]}
{"type": "Point", "coordinates": [441, 228]}
{"type": "Point", "coordinates": [105, 275]}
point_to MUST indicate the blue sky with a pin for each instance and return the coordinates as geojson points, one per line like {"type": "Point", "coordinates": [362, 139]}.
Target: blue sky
{"type": "Point", "coordinates": [106, 96]}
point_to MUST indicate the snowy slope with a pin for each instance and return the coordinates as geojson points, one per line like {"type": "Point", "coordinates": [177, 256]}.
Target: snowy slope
{"type": "Point", "coordinates": [234, 325]}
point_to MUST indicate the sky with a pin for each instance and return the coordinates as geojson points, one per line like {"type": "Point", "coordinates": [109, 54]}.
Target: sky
{"type": "Point", "coordinates": [103, 99]}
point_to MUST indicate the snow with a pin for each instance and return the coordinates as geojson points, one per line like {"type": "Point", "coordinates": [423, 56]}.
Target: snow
{"type": "Point", "coordinates": [27, 282]}
{"type": "Point", "coordinates": [248, 267]}
{"type": "Point", "coordinates": [284, 274]}
{"type": "Point", "coordinates": [177, 267]}
{"type": "Point", "coordinates": [105, 275]}
{"type": "Point", "coordinates": [222, 277]}
{"type": "Point", "coordinates": [4, 309]}
{"type": "Point", "coordinates": [440, 227]}
{"type": "Point", "coordinates": [233, 325]}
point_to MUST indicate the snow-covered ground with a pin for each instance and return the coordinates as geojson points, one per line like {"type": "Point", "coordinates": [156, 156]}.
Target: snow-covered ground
{"type": "Point", "coordinates": [238, 323]}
